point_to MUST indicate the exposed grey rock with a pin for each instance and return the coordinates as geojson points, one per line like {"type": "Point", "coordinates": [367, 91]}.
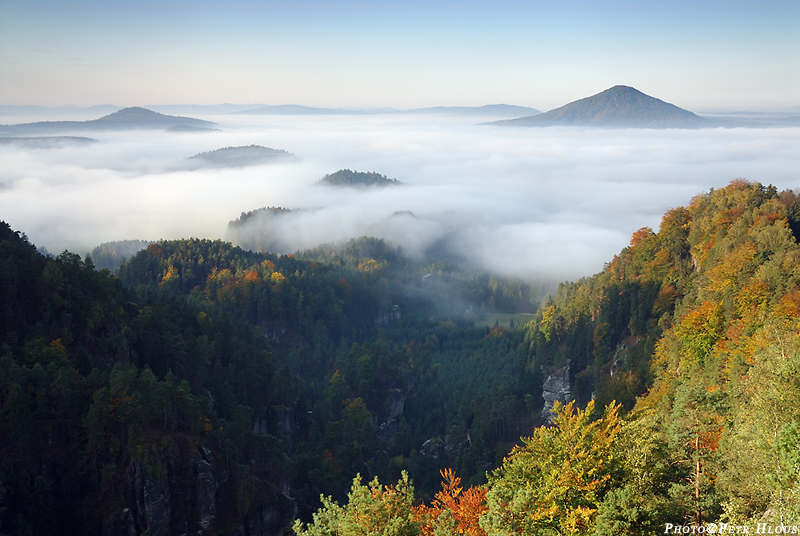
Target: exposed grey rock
{"type": "Point", "coordinates": [385, 317]}
{"type": "Point", "coordinates": [174, 490]}
{"type": "Point", "coordinates": [156, 500]}
{"type": "Point", "coordinates": [386, 433]}
{"type": "Point", "coordinates": [280, 421]}
{"type": "Point", "coordinates": [393, 409]}
{"type": "Point", "coordinates": [556, 387]}
{"type": "Point", "coordinates": [206, 492]}
{"type": "Point", "coordinates": [437, 448]}
{"type": "Point", "coordinates": [261, 423]}
{"type": "Point", "coordinates": [273, 519]}
{"type": "Point", "coordinates": [130, 526]}
{"type": "Point", "coordinates": [397, 400]}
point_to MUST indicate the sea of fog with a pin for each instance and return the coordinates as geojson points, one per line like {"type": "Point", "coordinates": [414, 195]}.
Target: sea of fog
{"type": "Point", "coordinates": [532, 202]}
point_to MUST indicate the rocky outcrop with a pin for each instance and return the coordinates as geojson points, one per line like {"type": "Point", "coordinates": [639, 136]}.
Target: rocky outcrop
{"type": "Point", "coordinates": [433, 448]}
{"type": "Point", "coordinates": [438, 448]}
{"type": "Point", "coordinates": [388, 316]}
{"type": "Point", "coordinates": [557, 387]}
{"type": "Point", "coordinates": [174, 489]}
{"type": "Point", "coordinates": [393, 411]}
{"type": "Point", "coordinates": [386, 433]}
{"type": "Point", "coordinates": [205, 489]}
{"type": "Point", "coordinates": [280, 421]}
{"type": "Point", "coordinates": [152, 497]}
{"type": "Point", "coordinates": [272, 520]}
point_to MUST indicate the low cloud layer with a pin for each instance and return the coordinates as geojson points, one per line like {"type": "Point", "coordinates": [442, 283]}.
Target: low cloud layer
{"type": "Point", "coordinates": [545, 202]}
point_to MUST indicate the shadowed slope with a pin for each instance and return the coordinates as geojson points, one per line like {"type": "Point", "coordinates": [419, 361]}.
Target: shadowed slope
{"type": "Point", "coordinates": [619, 106]}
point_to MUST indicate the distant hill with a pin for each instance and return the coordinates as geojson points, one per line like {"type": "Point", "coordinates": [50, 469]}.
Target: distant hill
{"type": "Point", "coordinates": [619, 106]}
{"type": "Point", "coordinates": [46, 142]}
{"type": "Point", "coordinates": [295, 109]}
{"type": "Point", "coordinates": [249, 155]}
{"type": "Point", "coordinates": [502, 110]}
{"type": "Point", "coordinates": [109, 255]}
{"type": "Point", "coordinates": [125, 119]}
{"type": "Point", "coordinates": [261, 229]}
{"type": "Point", "coordinates": [507, 110]}
{"type": "Point", "coordinates": [190, 129]}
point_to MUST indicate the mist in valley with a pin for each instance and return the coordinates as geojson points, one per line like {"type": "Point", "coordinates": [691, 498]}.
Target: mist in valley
{"type": "Point", "coordinates": [537, 203]}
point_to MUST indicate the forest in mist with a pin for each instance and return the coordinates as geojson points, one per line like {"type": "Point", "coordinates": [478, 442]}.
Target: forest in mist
{"type": "Point", "coordinates": [554, 202]}
{"type": "Point", "coordinates": [399, 324]}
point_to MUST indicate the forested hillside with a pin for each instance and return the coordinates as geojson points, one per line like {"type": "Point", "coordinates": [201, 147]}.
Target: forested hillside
{"type": "Point", "coordinates": [695, 330]}
{"type": "Point", "coordinates": [690, 336]}
{"type": "Point", "coordinates": [210, 388]}
{"type": "Point", "coordinates": [124, 411]}
{"type": "Point", "coordinates": [207, 388]}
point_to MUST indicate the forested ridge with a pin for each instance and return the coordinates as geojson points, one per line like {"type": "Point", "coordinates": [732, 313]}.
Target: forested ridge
{"type": "Point", "coordinates": [207, 388]}
{"type": "Point", "coordinates": [204, 386]}
{"type": "Point", "coordinates": [689, 339]}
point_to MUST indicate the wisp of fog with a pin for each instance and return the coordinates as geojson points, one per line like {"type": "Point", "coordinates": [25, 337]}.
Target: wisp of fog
{"type": "Point", "coordinates": [551, 203]}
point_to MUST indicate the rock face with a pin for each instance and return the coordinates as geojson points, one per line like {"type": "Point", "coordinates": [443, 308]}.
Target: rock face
{"type": "Point", "coordinates": [206, 489]}
{"type": "Point", "coordinates": [164, 479]}
{"type": "Point", "coordinates": [280, 422]}
{"type": "Point", "coordinates": [272, 520]}
{"type": "Point", "coordinates": [174, 490]}
{"type": "Point", "coordinates": [434, 448]}
{"type": "Point", "coordinates": [393, 410]}
{"type": "Point", "coordinates": [556, 387]}
{"type": "Point", "coordinates": [441, 448]}
{"type": "Point", "coordinates": [152, 501]}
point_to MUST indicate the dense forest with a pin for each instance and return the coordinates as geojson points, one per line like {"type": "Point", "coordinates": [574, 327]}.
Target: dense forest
{"type": "Point", "coordinates": [349, 390]}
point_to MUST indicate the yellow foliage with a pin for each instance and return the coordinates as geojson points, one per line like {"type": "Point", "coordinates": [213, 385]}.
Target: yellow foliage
{"type": "Point", "coordinates": [171, 275]}
{"type": "Point", "coordinates": [727, 272]}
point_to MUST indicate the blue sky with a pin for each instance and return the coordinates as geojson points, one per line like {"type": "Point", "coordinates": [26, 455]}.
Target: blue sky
{"type": "Point", "coordinates": [698, 55]}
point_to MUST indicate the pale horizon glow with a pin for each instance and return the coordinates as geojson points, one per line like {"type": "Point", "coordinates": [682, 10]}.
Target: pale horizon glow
{"type": "Point", "coordinates": [732, 55]}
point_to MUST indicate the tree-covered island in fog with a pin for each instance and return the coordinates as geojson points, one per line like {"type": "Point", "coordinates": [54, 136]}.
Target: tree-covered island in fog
{"type": "Point", "coordinates": [248, 155]}
{"type": "Point", "coordinates": [358, 179]}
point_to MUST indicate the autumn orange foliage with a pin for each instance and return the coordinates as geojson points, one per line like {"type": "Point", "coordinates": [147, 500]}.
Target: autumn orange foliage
{"type": "Point", "coordinates": [465, 507]}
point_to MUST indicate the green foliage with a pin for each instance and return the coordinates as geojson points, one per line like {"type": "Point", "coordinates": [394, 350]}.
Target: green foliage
{"type": "Point", "coordinates": [348, 359]}
{"type": "Point", "coordinates": [345, 177]}
{"type": "Point", "coordinates": [92, 376]}
{"type": "Point", "coordinates": [555, 481]}
{"type": "Point", "coordinates": [370, 510]}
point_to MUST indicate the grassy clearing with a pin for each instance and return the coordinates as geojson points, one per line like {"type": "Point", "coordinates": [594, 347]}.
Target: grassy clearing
{"type": "Point", "coordinates": [504, 319]}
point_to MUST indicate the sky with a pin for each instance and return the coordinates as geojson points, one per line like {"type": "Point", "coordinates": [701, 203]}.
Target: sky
{"type": "Point", "coordinates": [554, 203]}
{"type": "Point", "coordinates": [699, 55]}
